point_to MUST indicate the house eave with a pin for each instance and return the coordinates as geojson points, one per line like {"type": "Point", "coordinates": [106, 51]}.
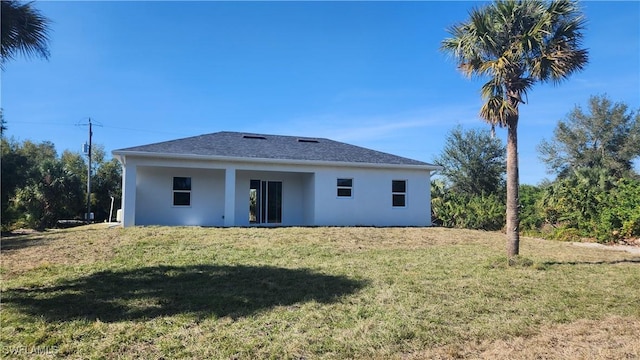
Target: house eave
{"type": "Point", "coordinates": [121, 156]}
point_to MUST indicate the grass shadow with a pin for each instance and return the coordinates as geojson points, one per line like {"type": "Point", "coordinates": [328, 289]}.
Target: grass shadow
{"type": "Point", "coordinates": [601, 262]}
{"type": "Point", "coordinates": [17, 242]}
{"type": "Point", "coordinates": [200, 290]}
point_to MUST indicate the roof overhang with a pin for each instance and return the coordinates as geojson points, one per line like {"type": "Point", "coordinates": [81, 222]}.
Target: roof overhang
{"type": "Point", "coordinates": [121, 156]}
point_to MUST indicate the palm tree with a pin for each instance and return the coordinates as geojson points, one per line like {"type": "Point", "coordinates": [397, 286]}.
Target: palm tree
{"type": "Point", "coordinates": [24, 30]}
{"type": "Point", "coordinates": [516, 44]}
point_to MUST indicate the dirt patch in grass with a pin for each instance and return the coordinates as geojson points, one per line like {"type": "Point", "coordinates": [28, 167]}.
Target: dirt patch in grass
{"type": "Point", "coordinates": [610, 338]}
{"type": "Point", "coordinates": [25, 251]}
{"type": "Point", "coordinates": [627, 248]}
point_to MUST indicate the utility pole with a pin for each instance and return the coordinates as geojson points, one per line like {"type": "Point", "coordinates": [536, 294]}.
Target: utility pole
{"type": "Point", "coordinates": [89, 174]}
{"type": "Point", "coordinates": [87, 150]}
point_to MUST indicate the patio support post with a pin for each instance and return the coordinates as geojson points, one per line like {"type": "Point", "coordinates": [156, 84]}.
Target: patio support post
{"type": "Point", "coordinates": [230, 197]}
{"type": "Point", "coordinates": [129, 195]}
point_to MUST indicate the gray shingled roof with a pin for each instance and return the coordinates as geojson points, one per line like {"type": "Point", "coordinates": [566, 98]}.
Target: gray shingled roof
{"type": "Point", "coordinates": [258, 146]}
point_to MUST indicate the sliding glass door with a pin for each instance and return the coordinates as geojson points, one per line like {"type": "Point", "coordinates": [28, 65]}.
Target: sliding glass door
{"type": "Point", "coordinates": [265, 202]}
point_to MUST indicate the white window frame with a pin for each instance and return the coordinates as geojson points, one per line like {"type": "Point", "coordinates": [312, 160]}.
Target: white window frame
{"type": "Point", "coordinates": [344, 187]}
{"type": "Point", "coordinates": [181, 191]}
{"type": "Point", "coordinates": [398, 193]}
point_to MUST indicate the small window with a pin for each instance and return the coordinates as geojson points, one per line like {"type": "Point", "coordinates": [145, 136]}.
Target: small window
{"type": "Point", "coordinates": [399, 193]}
{"type": "Point", "coordinates": [181, 191]}
{"type": "Point", "coordinates": [345, 187]}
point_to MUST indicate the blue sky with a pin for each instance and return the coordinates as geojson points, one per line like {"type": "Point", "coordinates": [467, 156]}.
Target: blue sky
{"type": "Point", "coordinates": [366, 73]}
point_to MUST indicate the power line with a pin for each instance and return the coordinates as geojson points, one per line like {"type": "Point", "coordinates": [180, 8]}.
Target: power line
{"type": "Point", "coordinates": [98, 124]}
{"type": "Point", "coordinates": [41, 123]}
{"type": "Point", "coordinates": [144, 130]}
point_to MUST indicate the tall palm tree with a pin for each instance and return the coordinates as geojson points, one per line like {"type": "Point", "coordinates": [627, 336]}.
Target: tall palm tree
{"type": "Point", "coordinates": [23, 30]}
{"type": "Point", "coordinates": [516, 44]}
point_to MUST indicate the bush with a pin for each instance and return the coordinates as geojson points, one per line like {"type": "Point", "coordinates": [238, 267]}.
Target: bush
{"type": "Point", "coordinates": [456, 210]}
{"type": "Point", "coordinates": [591, 204]}
{"type": "Point", "coordinates": [620, 213]}
{"type": "Point", "coordinates": [531, 215]}
{"type": "Point", "coordinates": [564, 233]}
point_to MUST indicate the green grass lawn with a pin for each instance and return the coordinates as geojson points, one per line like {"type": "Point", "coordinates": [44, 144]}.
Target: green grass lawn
{"type": "Point", "coordinates": [307, 293]}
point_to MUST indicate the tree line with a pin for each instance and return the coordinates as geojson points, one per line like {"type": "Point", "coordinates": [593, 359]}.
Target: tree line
{"type": "Point", "coordinates": [596, 192]}
{"type": "Point", "coordinates": [39, 187]}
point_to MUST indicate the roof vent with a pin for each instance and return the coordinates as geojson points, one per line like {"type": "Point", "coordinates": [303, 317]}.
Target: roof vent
{"type": "Point", "coordinates": [254, 137]}
{"type": "Point", "coordinates": [308, 141]}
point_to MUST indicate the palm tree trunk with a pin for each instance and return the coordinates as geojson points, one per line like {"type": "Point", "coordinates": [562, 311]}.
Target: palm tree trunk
{"type": "Point", "coordinates": [513, 219]}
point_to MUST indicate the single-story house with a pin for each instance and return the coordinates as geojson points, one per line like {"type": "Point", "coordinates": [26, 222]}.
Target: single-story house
{"type": "Point", "coordinates": [240, 179]}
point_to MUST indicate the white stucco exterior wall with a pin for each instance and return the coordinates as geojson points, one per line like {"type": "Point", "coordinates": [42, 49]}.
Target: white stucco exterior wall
{"type": "Point", "coordinates": [309, 193]}
{"type": "Point", "coordinates": [154, 197]}
{"type": "Point", "coordinates": [371, 201]}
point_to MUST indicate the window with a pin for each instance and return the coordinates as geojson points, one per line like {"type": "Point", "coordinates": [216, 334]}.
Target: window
{"type": "Point", "coordinates": [399, 193]}
{"type": "Point", "coordinates": [181, 191]}
{"type": "Point", "coordinates": [345, 187]}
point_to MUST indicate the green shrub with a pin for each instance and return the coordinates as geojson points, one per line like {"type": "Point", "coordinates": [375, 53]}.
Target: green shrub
{"type": "Point", "coordinates": [564, 233]}
{"type": "Point", "coordinates": [621, 211]}
{"type": "Point", "coordinates": [591, 204]}
{"type": "Point", "coordinates": [531, 214]}
{"type": "Point", "coordinates": [631, 227]}
{"type": "Point", "coordinates": [456, 210]}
